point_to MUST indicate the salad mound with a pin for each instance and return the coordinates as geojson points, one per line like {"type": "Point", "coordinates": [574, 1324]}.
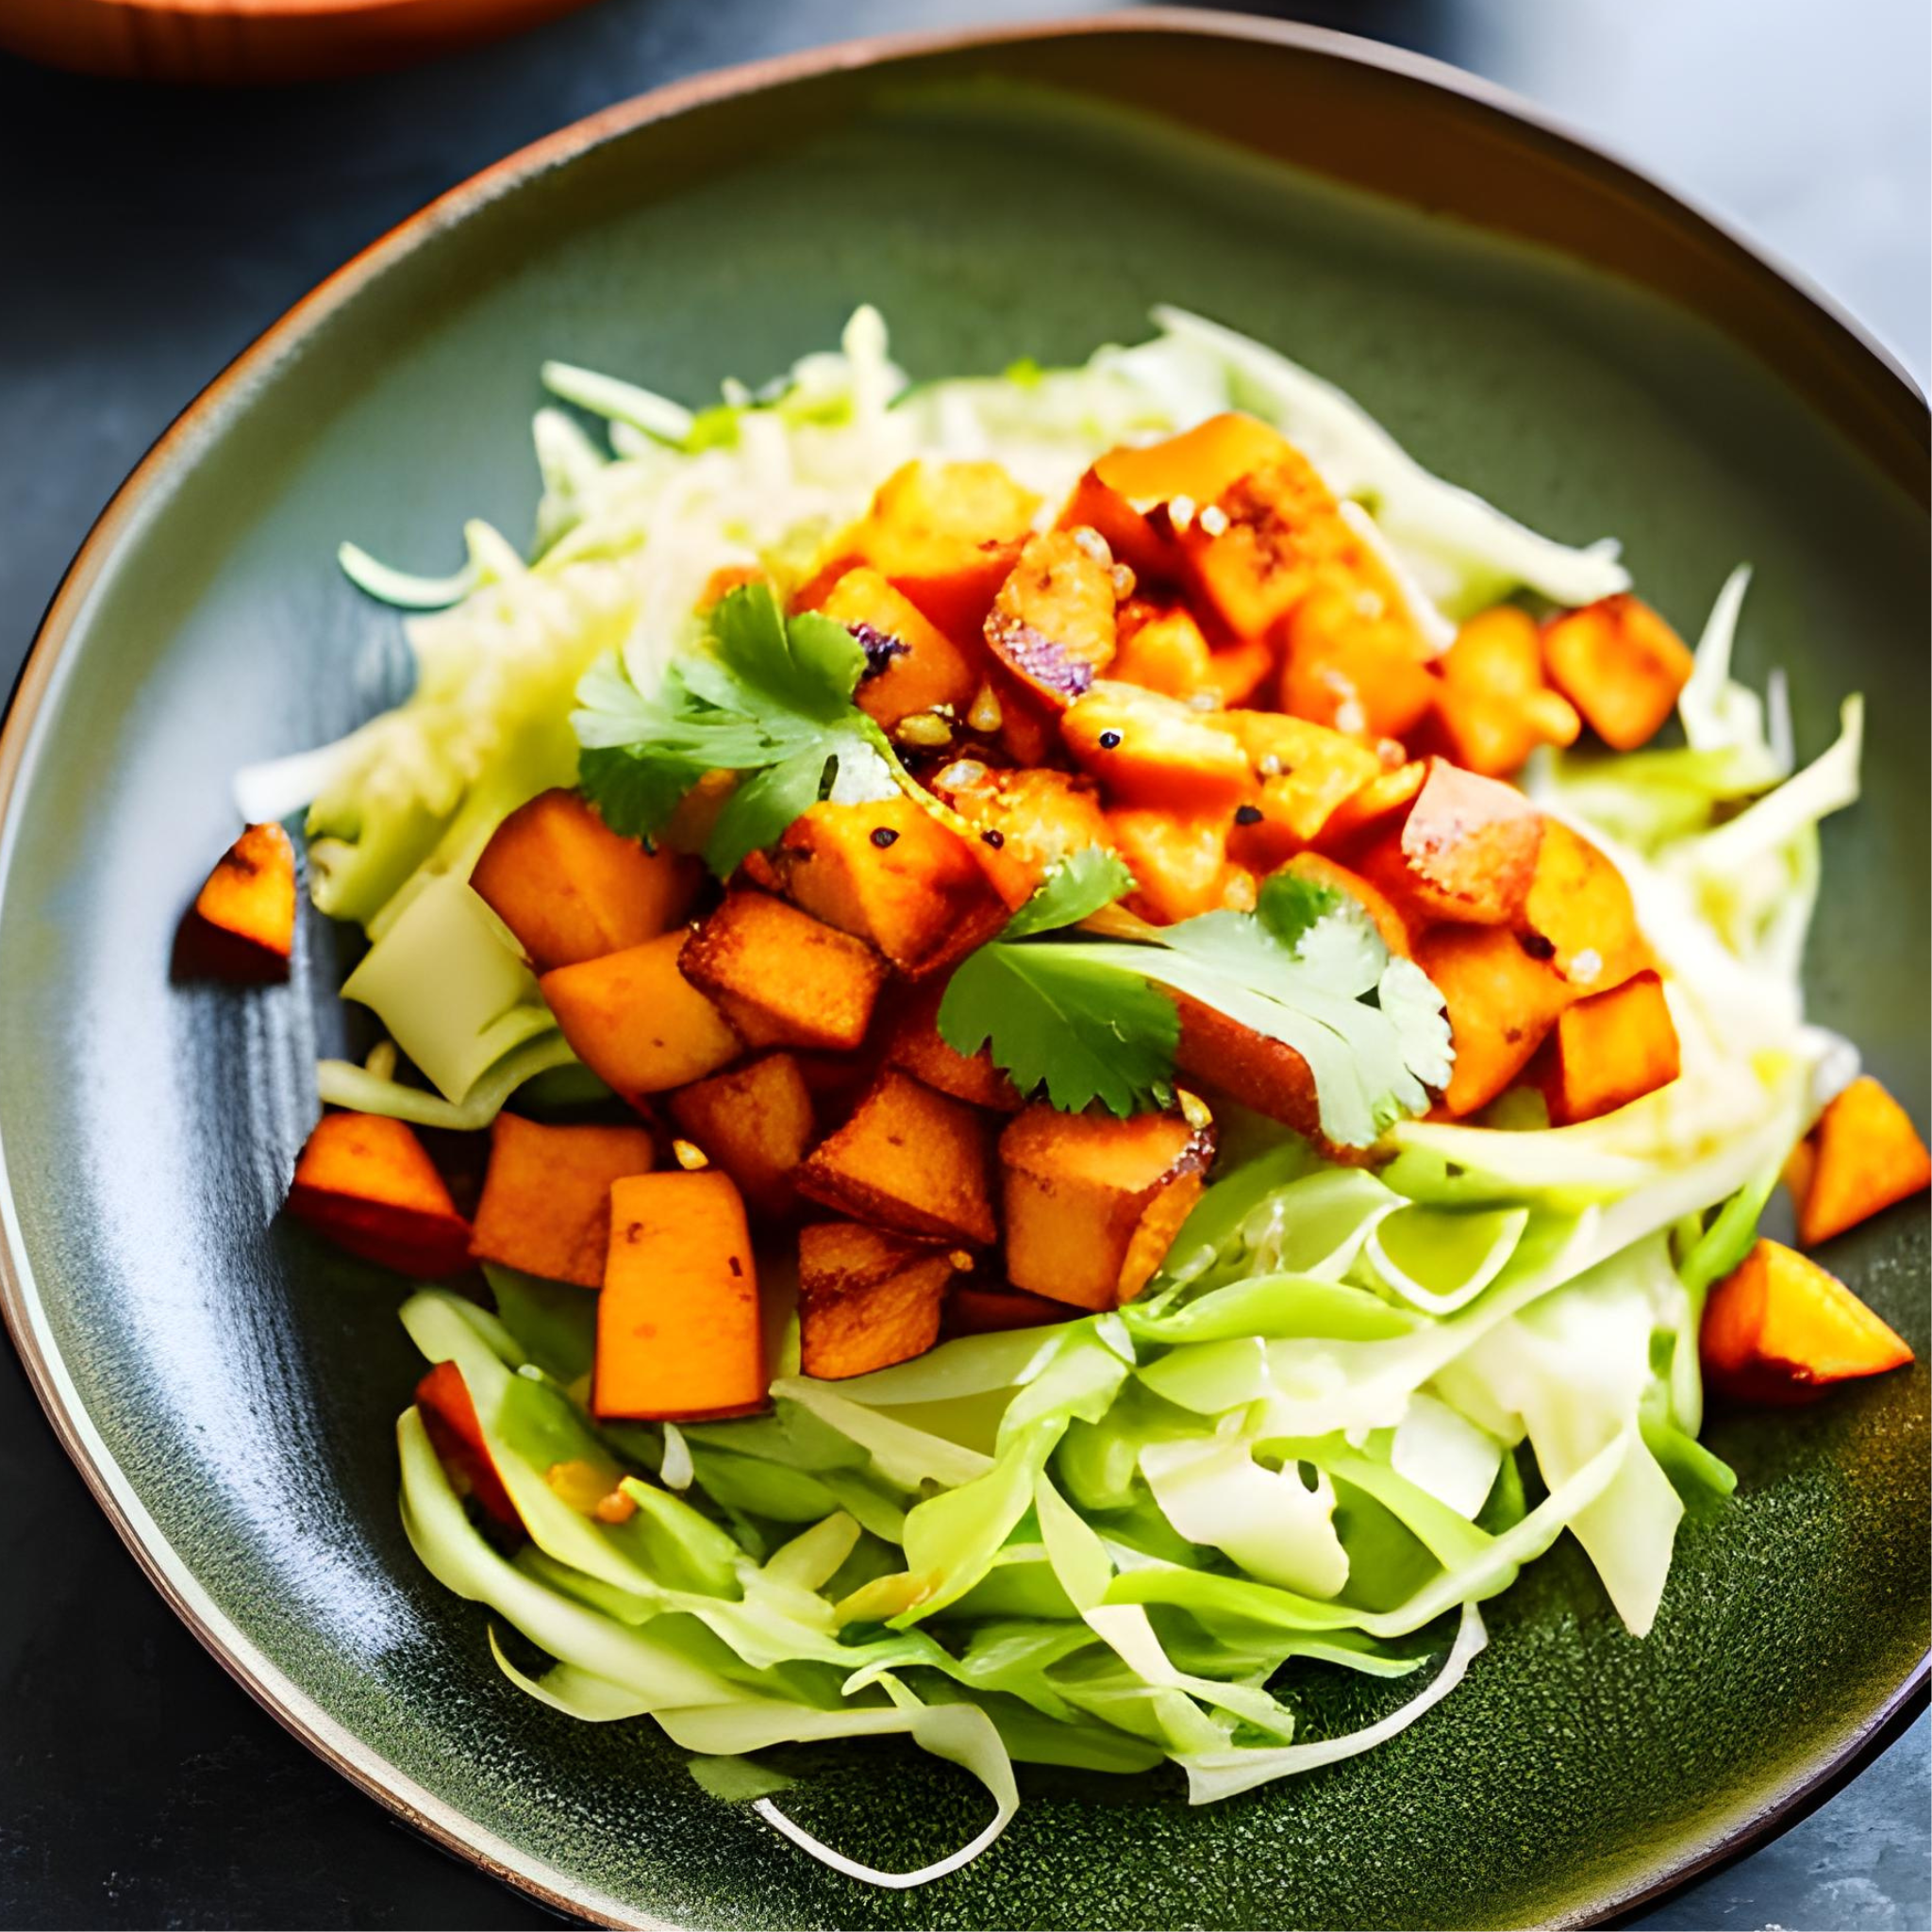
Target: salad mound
{"type": "Point", "coordinates": [1112, 1065]}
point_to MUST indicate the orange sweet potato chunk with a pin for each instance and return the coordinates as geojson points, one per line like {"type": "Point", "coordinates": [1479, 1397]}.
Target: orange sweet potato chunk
{"type": "Point", "coordinates": [1621, 665]}
{"type": "Point", "coordinates": [1781, 1329]}
{"type": "Point", "coordinates": [909, 1160]}
{"type": "Point", "coordinates": [1361, 818]}
{"type": "Point", "coordinates": [1134, 495]}
{"type": "Point", "coordinates": [678, 1330]}
{"type": "Point", "coordinates": [241, 925]}
{"type": "Point", "coordinates": [891, 874]}
{"type": "Point", "coordinates": [636, 1022]}
{"type": "Point", "coordinates": [782, 977]}
{"type": "Point", "coordinates": [1180, 865]}
{"type": "Point", "coordinates": [366, 1182]}
{"type": "Point", "coordinates": [1501, 1002]}
{"type": "Point", "coordinates": [1161, 647]}
{"type": "Point", "coordinates": [1864, 1155]}
{"type": "Point", "coordinates": [1579, 905]}
{"type": "Point", "coordinates": [1261, 1072]}
{"type": "Point", "coordinates": [1052, 625]}
{"type": "Point", "coordinates": [1092, 1202]}
{"type": "Point", "coordinates": [911, 665]}
{"type": "Point", "coordinates": [917, 1047]}
{"type": "Point", "coordinates": [1609, 1050]}
{"type": "Point", "coordinates": [756, 1123]}
{"type": "Point", "coordinates": [1467, 850]}
{"type": "Point", "coordinates": [1263, 543]}
{"type": "Point", "coordinates": [1304, 773]}
{"type": "Point", "coordinates": [974, 1310]}
{"type": "Point", "coordinates": [1236, 671]}
{"type": "Point", "coordinates": [450, 1417]}
{"type": "Point", "coordinates": [1365, 672]}
{"type": "Point", "coordinates": [1495, 706]}
{"type": "Point", "coordinates": [546, 1195]}
{"type": "Point", "coordinates": [1146, 749]}
{"type": "Point", "coordinates": [1028, 820]}
{"type": "Point", "coordinates": [570, 888]}
{"type": "Point", "coordinates": [866, 1299]}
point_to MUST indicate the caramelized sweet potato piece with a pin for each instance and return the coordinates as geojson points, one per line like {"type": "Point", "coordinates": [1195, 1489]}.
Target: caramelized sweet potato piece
{"type": "Point", "coordinates": [1052, 625]}
{"type": "Point", "coordinates": [1027, 820]}
{"type": "Point", "coordinates": [1781, 1329]}
{"type": "Point", "coordinates": [909, 1160]}
{"type": "Point", "coordinates": [1863, 1155]}
{"type": "Point", "coordinates": [946, 535]}
{"type": "Point", "coordinates": [241, 925]}
{"type": "Point", "coordinates": [754, 1122]}
{"type": "Point", "coordinates": [1161, 647]}
{"type": "Point", "coordinates": [916, 1047]}
{"type": "Point", "coordinates": [911, 665]}
{"type": "Point", "coordinates": [546, 1196]}
{"type": "Point", "coordinates": [365, 1181]}
{"type": "Point", "coordinates": [449, 1416]}
{"type": "Point", "coordinates": [1501, 1001]}
{"type": "Point", "coordinates": [636, 1022]}
{"type": "Point", "coordinates": [866, 1299]}
{"type": "Point", "coordinates": [1580, 907]}
{"type": "Point", "coordinates": [1092, 1202]}
{"type": "Point", "coordinates": [1365, 674]}
{"type": "Point", "coordinates": [1146, 749]}
{"type": "Point", "coordinates": [571, 890]}
{"type": "Point", "coordinates": [1609, 1050]}
{"type": "Point", "coordinates": [1303, 773]}
{"type": "Point", "coordinates": [1236, 671]}
{"type": "Point", "coordinates": [891, 874]}
{"type": "Point", "coordinates": [1467, 850]}
{"type": "Point", "coordinates": [971, 1311]}
{"type": "Point", "coordinates": [1621, 665]}
{"type": "Point", "coordinates": [1180, 865]}
{"type": "Point", "coordinates": [678, 1330]}
{"type": "Point", "coordinates": [1261, 1072]}
{"type": "Point", "coordinates": [782, 977]}
{"type": "Point", "coordinates": [1362, 818]}
{"type": "Point", "coordinates": [1494, 706]}
{"type": "Point", "coordinates": [1116, 496]}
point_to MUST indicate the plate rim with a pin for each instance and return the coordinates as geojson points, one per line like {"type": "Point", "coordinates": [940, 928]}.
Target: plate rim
{"type": "Point", "coordinates": [444, 1823]}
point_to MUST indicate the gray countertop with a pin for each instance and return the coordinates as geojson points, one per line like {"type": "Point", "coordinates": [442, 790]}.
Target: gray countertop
{"type": "Point", "coordinates": [148, 236]}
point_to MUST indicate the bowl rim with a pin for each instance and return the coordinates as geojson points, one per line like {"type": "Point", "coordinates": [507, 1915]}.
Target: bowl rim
{"type": "Point", "coordinates": [440, 1820]}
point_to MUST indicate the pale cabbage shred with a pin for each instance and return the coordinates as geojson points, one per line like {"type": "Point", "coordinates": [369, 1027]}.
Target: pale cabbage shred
{"type": "Point", "coordinates": [1123, 1526]}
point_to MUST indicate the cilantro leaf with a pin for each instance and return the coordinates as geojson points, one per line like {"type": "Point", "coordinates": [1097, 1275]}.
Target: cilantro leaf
{"type": "Point", "coordinates": [767, 698]}
{"type": "Point", "coordinates": [1074, 890]}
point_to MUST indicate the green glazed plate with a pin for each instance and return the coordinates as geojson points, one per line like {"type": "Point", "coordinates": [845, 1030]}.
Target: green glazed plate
{"type": "Point", "coordinates": [1529, 318]}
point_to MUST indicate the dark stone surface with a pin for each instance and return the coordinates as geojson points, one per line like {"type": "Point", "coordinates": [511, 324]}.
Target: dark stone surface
{"type": "Point", "coordinates": [146, 236]}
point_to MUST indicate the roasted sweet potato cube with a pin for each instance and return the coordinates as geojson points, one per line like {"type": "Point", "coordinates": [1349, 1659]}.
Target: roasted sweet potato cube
{"type": "Point", "coordinates": [1262, 545]}
{"type": "Point", "coordinates": [1781, 1329]}
{"type": "Point", "coordinates": [442, 1398]}
{"type": "Point", "coordinates": [546, 1195]}
{"type": "Point", "coordinates": [974, 1310]}
{"type": "Point", "coordinates": [1302, 772]}
{"type": "Point", "coordinates": [1609, 1050]}
{"type": "Point", "coordinates": [1864, 1155]}
{"type": "Point", "coordinates": [782, 977]}
{"type": "Point", "coordinates": [909, 1160]}
{"type": "Point", "coordinates": [679, 1336]}
{"type": "Point", "coordinates": [1161, 647]}
{"type": "Point", "coordinates": [1261, 1072]}
{"type": "Point", "coordinates": [1052, 625]}
{"type": "Point", "coordinates": [1621, 665]}
{"type": "Point", "coordinates": [1365, 674]}
{"type": "Point", "coordinates": [1502, 1002]}
{"type": "Point", "coordinates": [917, 1047]}
{"type": "Point", "coordinates": [754, 1122]}
{"type": "Point", "coordinates": [1236, 671]}
{"type": "Point", "coordinates": [1195, 467]}
{"type": "Point", "coordinates": [241, 925]}
{"type": "Point", "coordinates": [636, 1022]}
{"type": "Point", "coordinates": [570, 888]}
{"type": "Point", "coordinates": [891, 874]}
{"type": "Point", "coordinates": [1180, 865]}
{"type": "Point", "coordinates": [1494, 706]}
{"type": "Point", "coordinates": [866, 1299]}
{"type": "Point", "coordinates": [1147, 749]}
{"type": "Point", "coordinates": [1028, 820]}
{"type": "Point", "coordinates": [1092, 1202]}
{"type": "Point", "coordinates": [946, 535]}
{"type": "Point", "coordinates": [1360, 820]}
{"type": "Point", "coordinates": [1467, 850]}
{"type": "Point", "coordinates": [911, 665]}
{"type": "Point", "coordinates": [1580, 907]}
{"type": "Point", "coordinates": [366, 1182]}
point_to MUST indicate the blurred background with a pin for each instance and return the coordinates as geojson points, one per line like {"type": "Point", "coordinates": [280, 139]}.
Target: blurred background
{"type": "Point", "coordinates": [147, 234]}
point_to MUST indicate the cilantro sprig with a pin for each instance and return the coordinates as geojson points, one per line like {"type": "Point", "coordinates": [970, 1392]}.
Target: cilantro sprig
{"type": "Point", "coordinates": [767, 697]}
{"type": "Point", "coordinates": [1084, 1019]}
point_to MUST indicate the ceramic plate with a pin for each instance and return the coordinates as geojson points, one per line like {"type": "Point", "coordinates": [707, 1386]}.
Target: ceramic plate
{"type": "Point", "coordinates": [1530, 319]}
